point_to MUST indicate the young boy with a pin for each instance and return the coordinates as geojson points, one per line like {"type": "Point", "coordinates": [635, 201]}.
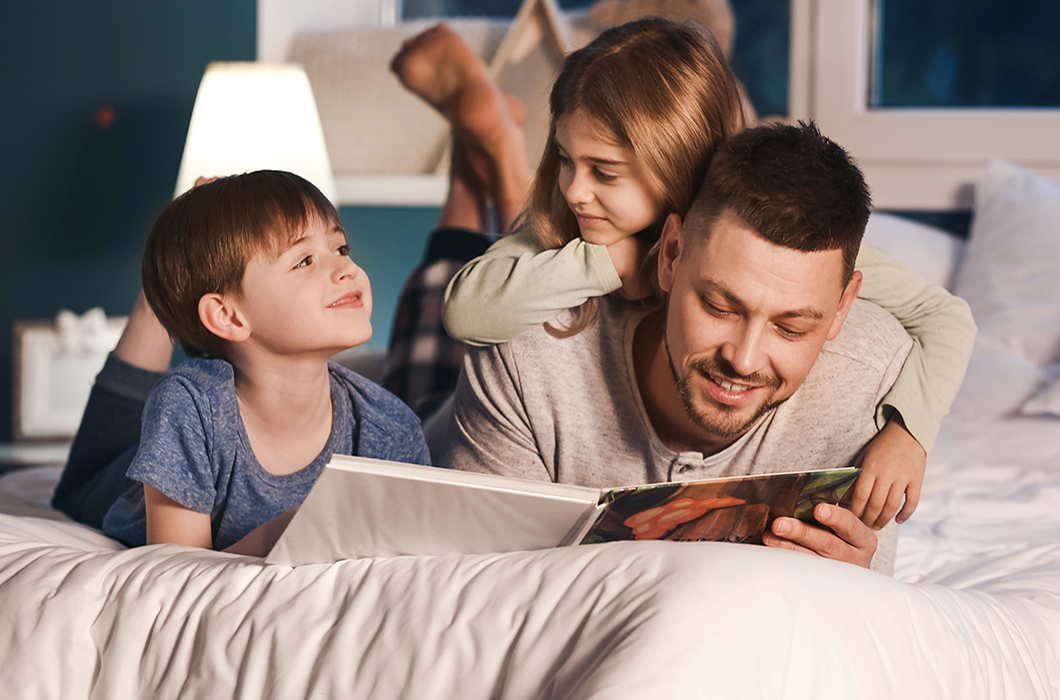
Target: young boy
{"type": "Point", "coordinates": [251, 274]}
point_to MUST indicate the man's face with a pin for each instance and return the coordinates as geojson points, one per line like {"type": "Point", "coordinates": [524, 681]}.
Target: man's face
{"type": "Point", "coordinates": [746, 320]}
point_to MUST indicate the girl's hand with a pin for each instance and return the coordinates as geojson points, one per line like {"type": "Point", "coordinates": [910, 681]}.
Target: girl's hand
{"type": "Point", "coordinates": [892, 469]}
{"type": "Point", "coordinates": [627, 255]}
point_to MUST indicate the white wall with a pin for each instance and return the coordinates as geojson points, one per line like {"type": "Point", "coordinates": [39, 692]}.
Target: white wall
{"type": "Point", "coordinates": [278, 20]}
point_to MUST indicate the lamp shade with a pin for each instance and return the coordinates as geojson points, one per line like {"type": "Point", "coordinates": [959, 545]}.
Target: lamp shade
{"type": "Point", "coordinates": [255, 116]}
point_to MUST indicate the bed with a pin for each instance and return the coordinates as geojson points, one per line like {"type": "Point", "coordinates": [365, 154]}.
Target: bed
{"type": "Point", "coordinates": [973, 609]}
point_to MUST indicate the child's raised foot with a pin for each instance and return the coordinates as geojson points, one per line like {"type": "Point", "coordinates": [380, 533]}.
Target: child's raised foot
{"type": "Point", "coordinates": [440, 68]}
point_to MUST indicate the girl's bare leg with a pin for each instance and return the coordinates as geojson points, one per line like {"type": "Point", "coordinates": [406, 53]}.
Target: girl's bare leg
{"type": "Point", "coordinates": [466, 205]}
{"type": "Point", "coordinates": [439, 67]}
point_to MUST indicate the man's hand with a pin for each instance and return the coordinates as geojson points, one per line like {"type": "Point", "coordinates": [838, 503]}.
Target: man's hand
{"type": "Point", "coordinates": [892, 468]}
{"type": "Point", "coordinates": [850, 540]}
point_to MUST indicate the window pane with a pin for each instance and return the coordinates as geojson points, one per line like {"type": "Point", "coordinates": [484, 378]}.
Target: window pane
{"type": "Point", "coordinates": [967, 53]}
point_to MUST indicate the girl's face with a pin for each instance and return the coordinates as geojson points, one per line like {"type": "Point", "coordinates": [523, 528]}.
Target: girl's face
{"type": "Point", "coordinates": [608, 188]}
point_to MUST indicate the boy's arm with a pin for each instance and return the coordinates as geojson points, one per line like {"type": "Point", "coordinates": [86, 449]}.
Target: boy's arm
{"type": "Point", "coordinates": [943, 333]}
{"type": "Point", "coordinates": [172, 463]}
{"type": "Point", "coordinates": [260, 541]}
{"type": "Point", "coordinates": [168, 521]}
{"type": "Point", "coordinates": [517, 285]}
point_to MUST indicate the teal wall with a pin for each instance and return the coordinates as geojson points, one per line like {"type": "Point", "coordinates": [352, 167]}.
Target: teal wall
{"type": "Point", "coordinates": [78, 191]}
{"type": "Point", "coordinates": [387, 243]}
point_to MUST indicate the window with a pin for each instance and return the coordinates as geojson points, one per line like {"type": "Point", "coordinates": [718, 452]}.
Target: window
{"type": "Point", "coordinates": [967, 53]}
{"type": "Point", "coordinates": [907, 120]}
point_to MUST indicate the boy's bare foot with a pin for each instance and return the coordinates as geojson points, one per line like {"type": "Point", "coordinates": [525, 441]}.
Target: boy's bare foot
{"type": "Point", "coordinates": [439, 67]}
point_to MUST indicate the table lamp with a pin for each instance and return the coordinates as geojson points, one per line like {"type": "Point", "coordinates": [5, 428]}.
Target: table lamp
{"type": "Point", "coordinates": [255, 116]}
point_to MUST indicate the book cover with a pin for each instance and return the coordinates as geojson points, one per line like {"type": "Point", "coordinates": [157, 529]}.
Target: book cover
{"type": "Point", "coordinates": [363, 507]}
{"type": "Point", "coordinates": [737, 509]}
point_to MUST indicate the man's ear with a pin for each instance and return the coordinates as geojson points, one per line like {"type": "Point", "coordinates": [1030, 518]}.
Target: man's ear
{"type": "Point", "coordinates": [223, 318]}
{"type": "Point", "coordinates": [670, 245]}
{"type": "Point", "coordinates": [849, 294]}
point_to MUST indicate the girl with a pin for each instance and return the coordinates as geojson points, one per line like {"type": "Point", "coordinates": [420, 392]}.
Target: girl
{"type": "Point", "coordinates": [635, 118]}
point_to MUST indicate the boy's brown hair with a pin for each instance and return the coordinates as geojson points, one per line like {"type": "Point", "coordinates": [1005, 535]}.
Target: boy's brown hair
{"type": "Point", "coordinates": [797, 188]}
{"type": "Point", "coordinates": [202, 242]}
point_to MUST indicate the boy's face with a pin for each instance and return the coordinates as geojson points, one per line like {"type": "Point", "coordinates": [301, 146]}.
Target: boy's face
{"type": "Point", "coordinates": [310, 298]}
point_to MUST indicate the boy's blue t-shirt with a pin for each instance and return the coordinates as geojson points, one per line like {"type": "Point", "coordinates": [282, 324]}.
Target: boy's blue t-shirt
{"type": "Point", "coordinates": [194, 449]}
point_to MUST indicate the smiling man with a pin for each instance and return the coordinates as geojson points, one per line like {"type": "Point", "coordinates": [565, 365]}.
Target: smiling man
{"type": "Point", "coordinates": [761, 360]}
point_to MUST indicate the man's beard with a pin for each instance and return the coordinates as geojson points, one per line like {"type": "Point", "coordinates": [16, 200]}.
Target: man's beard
{"type": "Point", "coordinates": [727, 423]}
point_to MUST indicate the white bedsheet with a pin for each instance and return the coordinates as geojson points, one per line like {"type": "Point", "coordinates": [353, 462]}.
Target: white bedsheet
{"type": "Point", "coordinates": [82, 618]}
{"type": "Point", "coordinates": [976, 615]}
{"type": "Point", "coordinates": [974, 611]}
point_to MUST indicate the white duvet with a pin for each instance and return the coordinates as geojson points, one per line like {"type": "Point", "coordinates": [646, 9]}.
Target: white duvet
{"type": "Point", "coordinates": [977, 615]}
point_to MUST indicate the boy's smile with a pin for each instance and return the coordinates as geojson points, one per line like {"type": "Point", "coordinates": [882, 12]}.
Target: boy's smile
{"type": "Point", "coordinates": [310, 298]}
{"type": "Point", "coordinates": [352, 299]}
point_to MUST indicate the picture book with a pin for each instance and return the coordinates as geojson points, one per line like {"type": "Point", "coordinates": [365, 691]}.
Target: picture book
{"type": "Point", "coordinates": [363, 507]}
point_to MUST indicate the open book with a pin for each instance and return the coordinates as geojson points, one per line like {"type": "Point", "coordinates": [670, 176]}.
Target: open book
{"type": "Point", "coordinates": [365, 507]}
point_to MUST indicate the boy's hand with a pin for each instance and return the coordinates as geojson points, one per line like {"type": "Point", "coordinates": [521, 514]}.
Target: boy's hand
{"type": "Point", "coordinates": [627, 255]}
{"type": "Point", "coordinates": [259, 541]}
{"type": "Point", "coordinates": [892, 468]}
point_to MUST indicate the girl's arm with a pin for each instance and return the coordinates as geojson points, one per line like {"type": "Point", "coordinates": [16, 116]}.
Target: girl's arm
{"type": "Point", "coordinates": [518, 285]}
{"type": "Point", "coordinates": [943, 333]}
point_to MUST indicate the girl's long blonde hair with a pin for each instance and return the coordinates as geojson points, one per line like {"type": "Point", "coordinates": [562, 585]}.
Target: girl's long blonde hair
{"type": "Point", "coordinates": [660, 88]}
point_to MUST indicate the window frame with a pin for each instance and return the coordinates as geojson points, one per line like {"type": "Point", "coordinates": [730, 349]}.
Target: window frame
{"type": "Point", "coordinates": [913, 159]}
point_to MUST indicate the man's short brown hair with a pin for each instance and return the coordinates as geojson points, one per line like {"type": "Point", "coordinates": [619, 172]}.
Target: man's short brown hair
{"type": "Point", "coordinates": [796, 188]}
{"type": "Point", "coordinates": [202, 242]}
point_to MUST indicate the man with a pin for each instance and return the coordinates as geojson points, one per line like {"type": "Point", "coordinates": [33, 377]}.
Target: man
{"type": "Point", "coordinates": [743, 370]}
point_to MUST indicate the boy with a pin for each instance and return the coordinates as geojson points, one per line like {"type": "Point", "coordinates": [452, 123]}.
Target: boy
{"type": "Point", "coordinates": [251, 275]}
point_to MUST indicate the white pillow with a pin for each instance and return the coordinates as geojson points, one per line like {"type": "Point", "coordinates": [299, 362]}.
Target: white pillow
{"type": "Point", "coordinates": [1011, 271]}
{"type": "Point", "coordinates": [996, 384]}
{"type": "Point", "coordinates": [931, 251]}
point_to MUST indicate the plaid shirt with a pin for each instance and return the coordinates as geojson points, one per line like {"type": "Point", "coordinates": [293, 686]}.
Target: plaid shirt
{"type": "Point", "coordinates": [423, 362]}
